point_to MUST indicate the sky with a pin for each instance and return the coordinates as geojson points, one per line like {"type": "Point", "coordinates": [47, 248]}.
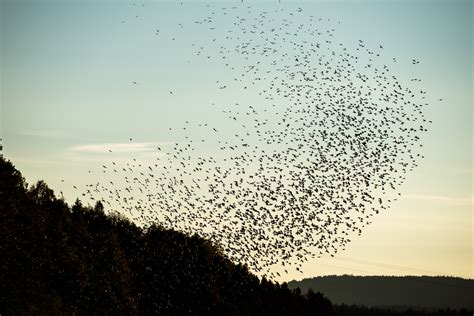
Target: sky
{"type": "Point", "coordinates": [68, 95]}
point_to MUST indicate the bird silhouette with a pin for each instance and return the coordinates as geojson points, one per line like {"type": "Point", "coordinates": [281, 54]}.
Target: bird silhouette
{"type": "Point", "coordinates": [323, 148]}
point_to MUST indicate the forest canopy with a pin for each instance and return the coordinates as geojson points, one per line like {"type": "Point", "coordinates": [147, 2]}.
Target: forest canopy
{"type": "Point", "coordinates": [61, 259]}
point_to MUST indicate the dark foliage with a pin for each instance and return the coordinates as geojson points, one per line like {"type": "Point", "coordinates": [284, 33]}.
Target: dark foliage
{"type": "Point", "coordinates": [57, 259]}
{"type": "Point", "coordinates": [357, 310]}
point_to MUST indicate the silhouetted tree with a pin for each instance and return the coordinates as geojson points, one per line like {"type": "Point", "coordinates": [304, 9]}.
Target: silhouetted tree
{"type": "Point", "coordinates": [57, 259]}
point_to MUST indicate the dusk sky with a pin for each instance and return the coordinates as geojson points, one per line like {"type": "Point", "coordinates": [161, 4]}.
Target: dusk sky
{"type": "Point", "coordinates": [80, 78]}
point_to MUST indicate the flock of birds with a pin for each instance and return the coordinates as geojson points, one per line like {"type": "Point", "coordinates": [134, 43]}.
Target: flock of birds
{"type": "Point", "coordinates": [323, 148]}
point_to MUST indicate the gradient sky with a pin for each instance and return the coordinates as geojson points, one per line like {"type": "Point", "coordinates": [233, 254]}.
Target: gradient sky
{"type": "Point", "coordinates": [67, 93]}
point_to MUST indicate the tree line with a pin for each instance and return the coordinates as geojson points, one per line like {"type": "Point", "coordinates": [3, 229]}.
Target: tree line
{"type": "Point", "coordinates": [61, 259]}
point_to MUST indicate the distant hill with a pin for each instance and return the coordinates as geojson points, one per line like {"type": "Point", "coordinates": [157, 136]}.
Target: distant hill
{"type": "Point", "coordinates": [395, 292]}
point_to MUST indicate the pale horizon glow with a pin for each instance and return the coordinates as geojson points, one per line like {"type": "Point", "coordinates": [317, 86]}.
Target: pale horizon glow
{"type": "Point", "coordinates": [79, 79]}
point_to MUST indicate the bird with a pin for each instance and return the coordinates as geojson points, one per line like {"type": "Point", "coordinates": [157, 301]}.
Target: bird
{"type": "Point", "coordinates": [298, 171]}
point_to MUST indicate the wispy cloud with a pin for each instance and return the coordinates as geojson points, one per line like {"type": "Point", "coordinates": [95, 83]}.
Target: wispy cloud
{"type": "Point", "coordinates": [43, 133]}
{"type": "Point", "coordinates": [119, 147]}
{"type": "Point", "coordinates": [465, 170]}
{"type": "Point", "coordinates": [467, 200]}
{"type": "Point", "coordinates": [42, 162]}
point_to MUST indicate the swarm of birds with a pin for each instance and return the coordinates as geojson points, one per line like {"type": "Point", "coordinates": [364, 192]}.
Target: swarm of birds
{"type": "Point", "coordinates": [324, 147]}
